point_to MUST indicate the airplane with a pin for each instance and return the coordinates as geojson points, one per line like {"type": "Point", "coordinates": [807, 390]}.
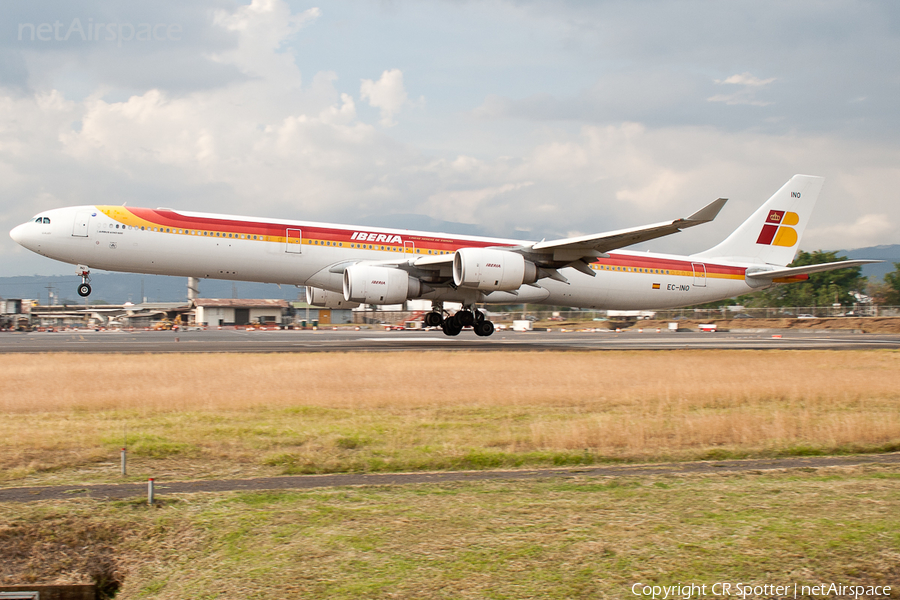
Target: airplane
{"type": "Point", "coordinates": [343, 266]}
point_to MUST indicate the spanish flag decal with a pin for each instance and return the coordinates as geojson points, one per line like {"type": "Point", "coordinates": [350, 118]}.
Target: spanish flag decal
{"type": "Point", "coordinates": [655, 286]}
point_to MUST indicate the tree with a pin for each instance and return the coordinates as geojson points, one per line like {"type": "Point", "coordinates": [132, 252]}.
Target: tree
{"type": "Point", "coordinates": [878, 291]}
{"type": "Point", "coordinates": [892, 279]}
{"type": "Point", "coordinates": [821, 289]}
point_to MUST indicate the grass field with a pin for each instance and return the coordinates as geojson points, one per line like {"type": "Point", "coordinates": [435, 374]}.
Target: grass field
{"type": "Point", "coordinates": [576, 538]}
{"type": "Point", "coordinates": [65, 416]}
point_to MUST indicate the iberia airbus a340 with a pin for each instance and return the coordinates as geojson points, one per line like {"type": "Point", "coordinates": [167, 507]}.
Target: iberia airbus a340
{"type": "Point", "coordinates": [343, 266]}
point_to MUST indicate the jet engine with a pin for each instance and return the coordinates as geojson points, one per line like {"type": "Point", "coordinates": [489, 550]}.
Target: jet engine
{"type": "Point", "coordinates": [379, 285]}
{"type": "Point", "coordinates": [492, 270]}
{"type": "Point", "coordinates": [325, 299]}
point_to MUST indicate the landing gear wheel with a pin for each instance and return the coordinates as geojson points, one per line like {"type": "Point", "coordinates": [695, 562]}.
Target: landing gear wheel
{"type": "Point", "coordinates": [84, 290]}
{"type": "Point", "coordinates": [484, 329]}
{"type": "Point", "coordinates": [465, 318]}
{"type": "Point", "coordinates": [433, 319]}
{"type": "Point", "coordinates": [451, 326]}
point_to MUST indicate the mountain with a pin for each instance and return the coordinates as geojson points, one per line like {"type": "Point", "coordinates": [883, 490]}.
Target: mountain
{"type": "Point", "coordinates": [890, 254]}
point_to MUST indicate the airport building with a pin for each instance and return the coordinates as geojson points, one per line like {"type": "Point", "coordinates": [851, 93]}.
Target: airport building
{"type": "Point", "coordinates": [224, 312]}
{"type": "Point", "coordinates": [304, 313]}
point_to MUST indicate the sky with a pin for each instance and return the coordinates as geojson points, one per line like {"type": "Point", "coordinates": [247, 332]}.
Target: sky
{"type": "Point", "coordinates": [522, 119]}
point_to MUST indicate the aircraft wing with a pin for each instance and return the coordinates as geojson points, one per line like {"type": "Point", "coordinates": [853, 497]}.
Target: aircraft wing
{"type": "Point", "coordinates": [579, 252]}
{"type": "Point", "coordinates": [612, 240]}
{"type": "Point", "coordinates": [807, 269]}
{"type": "Point", "coordinates": [576, 252]}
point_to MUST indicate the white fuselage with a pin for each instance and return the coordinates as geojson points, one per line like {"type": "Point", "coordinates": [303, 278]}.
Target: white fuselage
{"type": "Point", "coordinates": [213, 246]}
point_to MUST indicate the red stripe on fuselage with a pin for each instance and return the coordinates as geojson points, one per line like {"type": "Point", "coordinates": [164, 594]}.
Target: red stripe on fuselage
{"type": "Point", "coordinates": [650, 262]}
{"type": "Point", "coordinates": [168, 218]}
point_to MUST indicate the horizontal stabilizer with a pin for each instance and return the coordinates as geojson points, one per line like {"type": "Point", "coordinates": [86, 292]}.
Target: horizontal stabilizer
{"type": "Point", "coordinates": [807, 269]}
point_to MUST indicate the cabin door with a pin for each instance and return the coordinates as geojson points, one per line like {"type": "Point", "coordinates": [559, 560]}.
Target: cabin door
{"type": "Point", "coordinates": [80, 229]}
{"type": "Point", "coordinates": [699, 274]}
{"type": "Point", "coordinates": [293, 241]}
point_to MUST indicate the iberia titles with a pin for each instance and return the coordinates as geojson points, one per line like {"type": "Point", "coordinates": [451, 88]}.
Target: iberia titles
{"type": "Point", "coordinates": [362, 236]}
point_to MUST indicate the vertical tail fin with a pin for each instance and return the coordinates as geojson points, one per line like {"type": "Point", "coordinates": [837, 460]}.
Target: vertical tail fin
{"type": "Point", "coordinates": [772, 234]}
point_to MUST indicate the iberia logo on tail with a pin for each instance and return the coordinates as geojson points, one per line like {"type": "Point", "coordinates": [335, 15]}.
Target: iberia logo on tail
{"type": "Point", "coordinates": [778, 231]}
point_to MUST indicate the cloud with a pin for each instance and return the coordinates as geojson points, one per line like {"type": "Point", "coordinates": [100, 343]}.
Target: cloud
{"type": "Point", "coordinates": [746, 79]}
{"type": "Point", "coordinates": [254, 114]}
{"type": "Point", "coordinates": [465, 206]}
{"type": "Point", "coordinates": [262, 27]}
{"type": "Point", "coordinates": [123, 55]}
{"type": "Point", "coordinates": [387, 94]}
{"type": "Point", "coordinates": [856, 234]}
{"type": "Point", "coordinates": [746, 95]}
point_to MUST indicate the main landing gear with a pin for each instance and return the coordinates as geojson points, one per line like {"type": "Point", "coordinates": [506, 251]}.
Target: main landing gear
{"type": "Point", "coordinates": [84, 289]}
{"type": "Point", "coordinates": [467, 317]}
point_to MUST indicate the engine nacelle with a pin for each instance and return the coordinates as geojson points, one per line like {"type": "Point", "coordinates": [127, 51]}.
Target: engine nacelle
{"type": "Point", "coordinates": [379, 285]}
{"type": "Point", "coordinates": [492, 270]}
{"type": "Point", "coordinates": [325, 299]}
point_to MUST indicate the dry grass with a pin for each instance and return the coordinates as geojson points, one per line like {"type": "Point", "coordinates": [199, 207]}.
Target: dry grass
{"type": "Point", "coordinates": [198, 415]}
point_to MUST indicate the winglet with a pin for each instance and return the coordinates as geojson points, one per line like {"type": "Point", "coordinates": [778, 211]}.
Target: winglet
{"type": "Point", "coordinates": [707, 213]}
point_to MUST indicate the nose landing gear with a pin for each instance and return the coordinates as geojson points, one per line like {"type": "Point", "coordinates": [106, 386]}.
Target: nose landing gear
{"type": "Point", "coordinates": [84, 289]}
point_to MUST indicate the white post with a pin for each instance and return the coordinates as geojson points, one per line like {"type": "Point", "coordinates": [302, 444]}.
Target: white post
{"type": "Point", "coordinates": [150, 491]}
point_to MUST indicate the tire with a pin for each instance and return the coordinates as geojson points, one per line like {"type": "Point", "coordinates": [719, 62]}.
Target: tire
{"type": "Point", "coordinates": [451, 326]}
{"type": "Point", "coordinates": [84, 290]}
{"type": "Point", "coordinates": [465, 318]}
{"type": "Point", "coordinates": [433, 319]}
{"type": "Point", "coordinates": [484, 329]}
{"type": "Point", "coordinates": [479, 317]}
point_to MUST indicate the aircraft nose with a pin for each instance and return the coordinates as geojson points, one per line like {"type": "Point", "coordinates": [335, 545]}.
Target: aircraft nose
{"type": "Point", "coordinates": [18, 233]}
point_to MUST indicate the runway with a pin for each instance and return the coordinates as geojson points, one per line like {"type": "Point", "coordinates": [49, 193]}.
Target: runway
{"type": "Point", "coordinates": [345, 340]}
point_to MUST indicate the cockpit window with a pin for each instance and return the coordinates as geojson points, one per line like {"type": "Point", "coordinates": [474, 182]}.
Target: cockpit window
{"type": "Point", "coordinates": [46, 220]}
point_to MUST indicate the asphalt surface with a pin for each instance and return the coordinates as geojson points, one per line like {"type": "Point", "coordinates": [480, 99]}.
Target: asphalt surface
{"type": "Point", "coordinates": [305, 482]}
{"type": "Point", "coordinates": [348, 340]}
